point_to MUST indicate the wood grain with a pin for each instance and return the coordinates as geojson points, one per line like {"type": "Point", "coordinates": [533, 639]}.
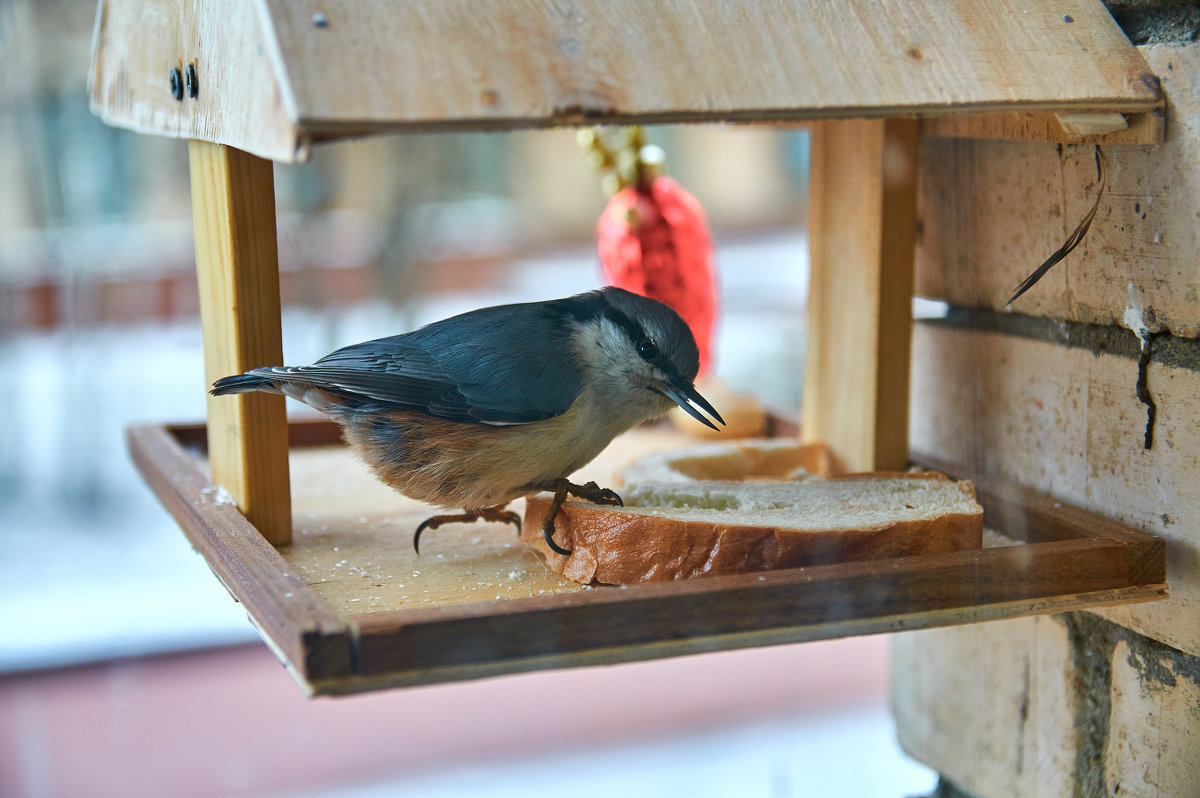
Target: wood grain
{"type": "Point", "coordinates": [1147, 129]}
{"type": "Point", "coordinates": [354, 647]}
{"type": "Point", "coordinates": [862, 233]}
{"type": "Point", "coordinates": [1008, 689]}
{"type": "Point", "coordinates": [299, 627]}
{"type": "Point", "coordinates": [240, 99]}
{"type": "Point", "coordinates": [641, 621]}
{"type": "Point", "coordinates": [1027, 515]}
{"type": "Point", "coordinates": [991, 211]}
{"type": "Point", "coordinates": [1067, 423]}
{"type": "Point", "coordinates": [237, 265]}
{"type": "Point", "coordinates": [1046, 707]}
{"type": "Point", "coordinates": [303, 430]}
{"type": "Point", "coordinates": [274, 82]}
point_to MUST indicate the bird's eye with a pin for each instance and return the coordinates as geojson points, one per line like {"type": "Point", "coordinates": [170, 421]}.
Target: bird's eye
{"type": "Point", "coordinates": [647, 349]}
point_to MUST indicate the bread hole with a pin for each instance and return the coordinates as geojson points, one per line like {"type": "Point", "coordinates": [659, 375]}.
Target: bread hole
{"type": "Point", "coordinates": [717, 502]}
{"type": "Point", "coordinates": [685, 501]}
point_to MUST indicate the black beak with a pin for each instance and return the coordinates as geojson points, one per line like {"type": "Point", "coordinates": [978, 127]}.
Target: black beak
{"type": "Point", "coordinates": [684, 395]}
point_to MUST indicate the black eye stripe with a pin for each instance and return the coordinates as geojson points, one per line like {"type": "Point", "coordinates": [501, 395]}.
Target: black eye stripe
{"type": "Point", "coordinates": [631, 328]}
{"type": "Point", "coordinates": [636, 336]}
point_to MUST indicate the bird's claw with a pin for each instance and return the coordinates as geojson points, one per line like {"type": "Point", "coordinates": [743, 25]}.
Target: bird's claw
{"type": "Point", "coordinates": [591, 492]}
{"type": "Point", "coordinates": [432, 522]}
{"type": "Point", "coordinates": [609, 497]}
{"type": "Point", "coordinates": [548, 534]}
{"type": "Point", "coordinates": [596, 494]}
{"type": "Point", "coordinates": [487, 514]}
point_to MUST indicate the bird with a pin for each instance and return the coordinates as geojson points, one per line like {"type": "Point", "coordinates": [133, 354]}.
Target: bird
{"type": "Point", "coordinates": [476, 410]}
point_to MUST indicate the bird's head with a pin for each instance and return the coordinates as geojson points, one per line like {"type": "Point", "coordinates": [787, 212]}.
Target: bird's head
{"type": "Point", "coordinates": [642, 355]}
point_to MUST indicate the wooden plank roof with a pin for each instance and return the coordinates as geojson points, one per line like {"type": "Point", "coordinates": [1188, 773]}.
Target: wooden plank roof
{"type": "Point", "coordinates": [275, 76]}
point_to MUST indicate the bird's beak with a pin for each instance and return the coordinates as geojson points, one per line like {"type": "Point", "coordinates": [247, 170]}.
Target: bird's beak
{"type": "Point", "coordinates": [685, 395]}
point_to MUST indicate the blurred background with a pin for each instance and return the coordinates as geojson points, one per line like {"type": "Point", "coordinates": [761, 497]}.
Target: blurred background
{"type": "Point", "coordinates": [125, 669]}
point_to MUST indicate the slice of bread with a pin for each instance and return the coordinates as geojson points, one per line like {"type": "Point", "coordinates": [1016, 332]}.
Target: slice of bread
{"type": "Point", "coordinates": [680, 530]}
{"type": "Point", "coordinates": [758, 458]}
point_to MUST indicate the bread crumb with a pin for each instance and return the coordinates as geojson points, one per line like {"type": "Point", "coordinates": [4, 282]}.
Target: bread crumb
{"type": "Point", "coordinates": [219, 496]}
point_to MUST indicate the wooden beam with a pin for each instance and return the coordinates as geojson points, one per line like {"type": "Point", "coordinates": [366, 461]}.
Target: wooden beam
{"type": "Point", "coordinates": [862, 233]}
{"type": "Point", "coordinates": [237, 265]}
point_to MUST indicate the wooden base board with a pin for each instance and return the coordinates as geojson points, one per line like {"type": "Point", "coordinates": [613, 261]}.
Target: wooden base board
{"type": "Point", "coordinates": [349, 607]}
{"type": "Point", "coordinates": [353, 537]}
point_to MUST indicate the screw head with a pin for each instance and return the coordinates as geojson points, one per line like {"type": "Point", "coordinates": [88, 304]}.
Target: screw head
{"type": "Point", "coordinates": [193, 83]}
{"type": "Point", "coordinates": [177, 84]}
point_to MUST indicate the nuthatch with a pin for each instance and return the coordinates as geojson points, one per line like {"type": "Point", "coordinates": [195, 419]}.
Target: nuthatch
{"type": "Point", "coordinates": [479, 409]}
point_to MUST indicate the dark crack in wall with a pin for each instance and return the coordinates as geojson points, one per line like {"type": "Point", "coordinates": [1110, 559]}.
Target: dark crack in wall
{"type": "Point", "coordinates": [1168, 350]}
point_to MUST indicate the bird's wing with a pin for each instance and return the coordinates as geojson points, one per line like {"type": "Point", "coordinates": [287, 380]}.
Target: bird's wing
{"type": "Point", "coordinates": [503, 365]}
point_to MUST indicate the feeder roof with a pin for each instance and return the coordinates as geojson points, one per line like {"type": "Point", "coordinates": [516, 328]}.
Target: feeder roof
{"type": "Point", "coordinates": [273, 77]}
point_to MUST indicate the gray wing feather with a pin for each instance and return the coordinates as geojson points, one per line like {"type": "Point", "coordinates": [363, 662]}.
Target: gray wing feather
{"type": "Point", "coordinates": [504, 365]}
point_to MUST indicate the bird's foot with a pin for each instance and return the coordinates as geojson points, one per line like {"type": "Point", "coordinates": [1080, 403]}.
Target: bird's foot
{"type": "Point", "coordinates": [496, 513]}
{"type": "Point", "coordinates": [591, 491]}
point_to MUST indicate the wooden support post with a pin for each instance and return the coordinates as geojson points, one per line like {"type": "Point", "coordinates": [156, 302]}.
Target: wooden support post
{"type": "Point", "coordinates": [862, 232]}
{"type": "Point", "coordinates": [237, 264]}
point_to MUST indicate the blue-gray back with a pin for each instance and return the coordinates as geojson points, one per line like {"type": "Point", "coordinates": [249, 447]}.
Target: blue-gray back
{"type": "Point", "coordinates": [502, 365]}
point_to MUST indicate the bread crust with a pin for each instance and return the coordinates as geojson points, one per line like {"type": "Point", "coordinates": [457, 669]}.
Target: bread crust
{"type": "Point", "coordinates": [616, 547]}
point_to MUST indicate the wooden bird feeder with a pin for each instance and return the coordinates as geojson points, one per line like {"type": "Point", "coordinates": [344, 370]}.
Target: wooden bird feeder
{"type": "Point", "coordinates": [251, 82]}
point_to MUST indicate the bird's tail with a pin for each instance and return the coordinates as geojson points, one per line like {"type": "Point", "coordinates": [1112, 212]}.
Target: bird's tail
{"type": "Point", "coordinates": [241, 383]}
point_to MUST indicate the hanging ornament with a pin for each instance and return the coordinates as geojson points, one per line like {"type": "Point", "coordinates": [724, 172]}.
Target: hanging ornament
{"type": "Point", "coordinates": [652, 237]}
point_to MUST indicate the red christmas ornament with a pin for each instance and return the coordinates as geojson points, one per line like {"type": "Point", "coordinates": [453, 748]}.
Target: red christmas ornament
{"type": "Point", "coordinates": [654, 241]}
